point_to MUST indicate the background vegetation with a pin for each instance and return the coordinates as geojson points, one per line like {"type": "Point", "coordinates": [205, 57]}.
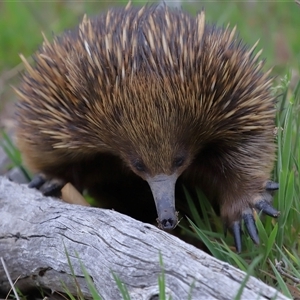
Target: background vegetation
{"type": "Point", "coordinates": [277, 25]}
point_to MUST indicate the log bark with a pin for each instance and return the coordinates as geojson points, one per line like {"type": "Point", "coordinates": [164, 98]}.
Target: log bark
{"type": "Point", "coordinates": [35, 231]}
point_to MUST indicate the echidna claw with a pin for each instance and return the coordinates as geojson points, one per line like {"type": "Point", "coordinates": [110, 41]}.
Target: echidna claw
{"type": "Point", "coordinates": [37, 181]}
{"type": "Point", "coordinates": [237, 235]}
{"type": "Point", "coordinates": [251, 227]}
{"type": "Point", "coordinates": [265, 207]}
{"type": "Point", "coordinates": [52, 187]}
{"type": "Point", "coordinates": [272, 186]}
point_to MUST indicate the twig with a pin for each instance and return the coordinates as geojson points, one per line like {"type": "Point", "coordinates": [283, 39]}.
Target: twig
{"type": "Point", "coordinates": [11, 287]}
{"type": "Point", "coordinates": [9, 279]}
{"type": "Point", "coordinates": [279, 268]}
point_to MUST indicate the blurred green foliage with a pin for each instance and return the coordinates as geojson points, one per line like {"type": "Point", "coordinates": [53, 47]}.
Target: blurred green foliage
{"type": "Point", "coordinates": [276, 24]}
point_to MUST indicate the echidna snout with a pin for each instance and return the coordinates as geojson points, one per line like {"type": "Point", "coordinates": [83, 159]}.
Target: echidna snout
{"type": "Point", "coordinates": [163, 190]}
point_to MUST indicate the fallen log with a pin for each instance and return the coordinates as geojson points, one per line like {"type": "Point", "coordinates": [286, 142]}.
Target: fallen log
{"type": "Point", "coordinates": [35, 231]}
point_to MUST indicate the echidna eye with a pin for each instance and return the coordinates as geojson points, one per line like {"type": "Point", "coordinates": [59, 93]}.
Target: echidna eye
{"type": "Point", "coordinates": [139, 166]}
{"type": "Point", "coordinates": [178, 162]}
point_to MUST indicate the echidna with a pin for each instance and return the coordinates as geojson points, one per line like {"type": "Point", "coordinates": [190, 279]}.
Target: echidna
{"type": "Point", "coordinates": [152, 94]}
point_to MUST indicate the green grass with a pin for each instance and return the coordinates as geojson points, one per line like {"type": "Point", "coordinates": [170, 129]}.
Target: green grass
{"type": "Point", "coordinates": [276, 260]}
{"type": "Point", "coordinates": [13, 154]}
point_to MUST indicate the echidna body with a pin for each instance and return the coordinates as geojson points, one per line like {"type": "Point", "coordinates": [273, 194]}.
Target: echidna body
{"type": "Point", "coordinates": [152, 93]}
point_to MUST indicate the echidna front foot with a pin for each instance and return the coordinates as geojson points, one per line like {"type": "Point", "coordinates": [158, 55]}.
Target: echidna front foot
{"type": "Point", "coordinates": [261, 204]}
{"type": "Point", "coordinates": [49, 187]}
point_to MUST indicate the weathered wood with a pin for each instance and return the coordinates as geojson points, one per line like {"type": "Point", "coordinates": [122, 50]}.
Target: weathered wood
{"type": "Point", "coordinates": [34, 230]}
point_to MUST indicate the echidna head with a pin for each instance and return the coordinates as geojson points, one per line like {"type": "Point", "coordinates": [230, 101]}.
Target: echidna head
{"type": "Point", "coordinates": [160, 161]}
{"type": "Point", "coordinates": [161, 170]}
{"type": "Point", "coordinates": [158, 142]}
